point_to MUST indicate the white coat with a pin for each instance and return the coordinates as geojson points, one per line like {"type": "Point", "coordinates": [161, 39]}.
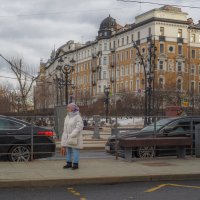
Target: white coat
{"type": "Point", "coordinates": [73, 127]}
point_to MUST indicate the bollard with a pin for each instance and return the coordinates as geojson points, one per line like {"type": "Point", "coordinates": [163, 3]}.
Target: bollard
{"type": "Point", "coordinates": [96, 134]}
{"type": "Point", "coordinates": [114, 131]}
{"type": "Point", "coordinates": [196, 141]}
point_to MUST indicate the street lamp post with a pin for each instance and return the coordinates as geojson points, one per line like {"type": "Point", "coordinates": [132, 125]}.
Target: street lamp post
{"type": "Point", "coordinates": [66, 70]}
{"type": "Point", "coordinates": [106, 101]}
{"type": "Point", "coordinates": [114, 80]}
{"type": "Point", "coordinates": [148, 78]}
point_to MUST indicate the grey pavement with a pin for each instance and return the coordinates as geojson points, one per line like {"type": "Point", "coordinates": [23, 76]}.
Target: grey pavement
{"type": "Point", "coordinates": [93, 171]}
{"type": "Point", "coordinates": [97, 170]}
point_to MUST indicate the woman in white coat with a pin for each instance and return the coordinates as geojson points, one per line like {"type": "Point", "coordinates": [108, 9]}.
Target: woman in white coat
{"type": "Point", "coordinates": [72, 139]}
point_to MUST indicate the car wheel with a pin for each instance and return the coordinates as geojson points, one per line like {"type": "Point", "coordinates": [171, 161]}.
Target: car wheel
{"type": "Point", "coordinates": [146, 152]}
{"type": "Point", "coordinates": [19, 153]}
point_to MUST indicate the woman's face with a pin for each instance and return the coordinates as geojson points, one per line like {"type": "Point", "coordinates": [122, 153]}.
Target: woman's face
{"type": "Point", "coordinates": [69, 109]}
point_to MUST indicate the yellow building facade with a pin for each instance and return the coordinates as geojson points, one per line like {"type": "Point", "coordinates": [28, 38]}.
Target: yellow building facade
{"type": "Point", "coordinates": [113, 61]}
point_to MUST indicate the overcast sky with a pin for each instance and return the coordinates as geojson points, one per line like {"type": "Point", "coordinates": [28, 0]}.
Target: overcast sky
{"type": "Point", "coordinates": [31, 29]}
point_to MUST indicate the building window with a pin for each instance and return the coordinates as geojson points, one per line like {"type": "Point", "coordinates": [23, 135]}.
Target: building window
{"type": "Point", "coordinates": [199, 87]}
{"type": "Point", "coordinates": [149, 31]}
{"type": "Point", "coordinates": [199, 70]}
{"type": "Point", "coordinates": [192, 86]}
{"type": "Point", "coordinates": [131, 69]}
{"type": "Point", "coordinates": [179, 33]}
{"type": "Point", "coordinates": [100, 47]}
{"type": "Point", "coordinates": [105, 60]}
{"type": "Point", "coordinates": [104, 74]}
{"type": "Point", "coordinates": [126, 55]}
{"type": "Point", "coordinates": [179, 67]}
{"type": "Point", "coordinates": [161, 82]}
{"type": "Point", "coordinates": [137, 68]}
{"type": "Point", "coordinates": [122, 71]}
{"type": "Point", "coordinates": [105, 46]}
{"type": "Point", "coordinates": [161, 65]}
{"type": "Point", "coordinates": [122, 56]}
{"type": "Point", "coordinates": [137, 85]}
{"type": "Point", "coordinates": [193, 53]}
{"type": "Point", "coordinates": [180, 49]}
{"type": "Point", "coordinates": [131, 53]}
{"type": "Point", "coordinates": [162, 31]}
{"type": "Point", "coordinates": [138, 35]}
{"type": "Point", "coordinates": [127, 39]}
{"type": "Point", "coordinates": [127, 71]}
{"type": "Point", "coordinates": [192, 39]}
{"type": "Point", "coordinates": [192, 70]}
{"type": "Point", "coordinates": [132, 37]}
{"type": "Point", "coordinates": [131, 85]}
{"type": "Point", "coordinates": [114, 44]}
{"type": "Point", "coordinates": [161, 48]}
{"type": "Point", "coordinates": [179, 84]}
{"type": "Point", "coordinates": [122, 41]}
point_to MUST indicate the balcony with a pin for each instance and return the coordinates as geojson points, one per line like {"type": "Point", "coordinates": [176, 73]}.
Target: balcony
{"type": "Point", "coordinates": [162, 38]}
{"type": "Point", "coordinates": [112, 50]}
{"type": "Point", "coordinates": [180, 40]}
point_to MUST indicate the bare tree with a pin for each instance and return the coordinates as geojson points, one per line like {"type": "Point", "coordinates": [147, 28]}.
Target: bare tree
{"type": "Point", "coordinates": [24, 79]}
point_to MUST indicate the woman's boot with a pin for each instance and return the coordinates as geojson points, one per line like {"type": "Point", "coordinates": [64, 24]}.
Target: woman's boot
{"type": "Point", "coordinates": [68, 165]}
{"type": "Point", "coordinates": [75, 166]}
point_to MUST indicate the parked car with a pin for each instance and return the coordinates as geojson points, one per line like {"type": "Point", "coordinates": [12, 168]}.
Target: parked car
{"type": "Point", "coordinates": [168, 127]}
{"type": "Point", "coordinates": [17, 137]}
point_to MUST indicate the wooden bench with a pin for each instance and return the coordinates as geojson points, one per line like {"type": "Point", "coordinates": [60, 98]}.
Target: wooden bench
{"type": "Point", "coordinates": [131, 143]}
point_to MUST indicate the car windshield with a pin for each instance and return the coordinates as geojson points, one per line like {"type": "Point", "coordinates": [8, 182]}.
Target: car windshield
{"type": "Point", "coordinates": [159, 124]}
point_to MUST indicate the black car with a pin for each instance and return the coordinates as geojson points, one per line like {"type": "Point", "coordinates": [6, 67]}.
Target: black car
{"type": "Point", "coordinates": [168, 127]}
{"type": "Point", "coordinates": [18, 139]}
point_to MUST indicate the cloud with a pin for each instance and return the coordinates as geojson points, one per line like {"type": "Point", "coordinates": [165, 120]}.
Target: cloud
{"type": "Point", "coordinates": [31, 29]}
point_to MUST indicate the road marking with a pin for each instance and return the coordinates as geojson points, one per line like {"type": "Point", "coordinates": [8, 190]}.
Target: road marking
{"type": "Point", "coordinates": [156, 188]}
{"type": "Point", "coordinates": [172, 185]}
{"type": "Point", "coordinates": [75, 193]}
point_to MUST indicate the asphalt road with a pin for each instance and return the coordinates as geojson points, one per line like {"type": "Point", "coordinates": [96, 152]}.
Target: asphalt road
{"type": "Point", "coordinates": [183, 190]}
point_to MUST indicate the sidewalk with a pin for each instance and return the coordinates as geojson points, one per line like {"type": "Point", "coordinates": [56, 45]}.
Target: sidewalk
{"type": "Point", "coordinates": [93, 171]}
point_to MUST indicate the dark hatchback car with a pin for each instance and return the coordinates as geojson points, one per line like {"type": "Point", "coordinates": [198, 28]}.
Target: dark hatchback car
{"type": "Point", "coordinates": [168, 127]}
{"type": "Point", "coordinates": [19, 138]}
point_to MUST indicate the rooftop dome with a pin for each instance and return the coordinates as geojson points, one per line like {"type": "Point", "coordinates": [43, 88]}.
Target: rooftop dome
{"type": "Point", "coordinates": [108, 23]}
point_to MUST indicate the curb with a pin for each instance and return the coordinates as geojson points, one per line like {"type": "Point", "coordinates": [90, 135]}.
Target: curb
{"type": "Point", "coordinates": [96, 180]}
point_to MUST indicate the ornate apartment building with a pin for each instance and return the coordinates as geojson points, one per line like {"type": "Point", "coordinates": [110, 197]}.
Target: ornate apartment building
{"type": "Point", "coordinates": [113, 61]}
